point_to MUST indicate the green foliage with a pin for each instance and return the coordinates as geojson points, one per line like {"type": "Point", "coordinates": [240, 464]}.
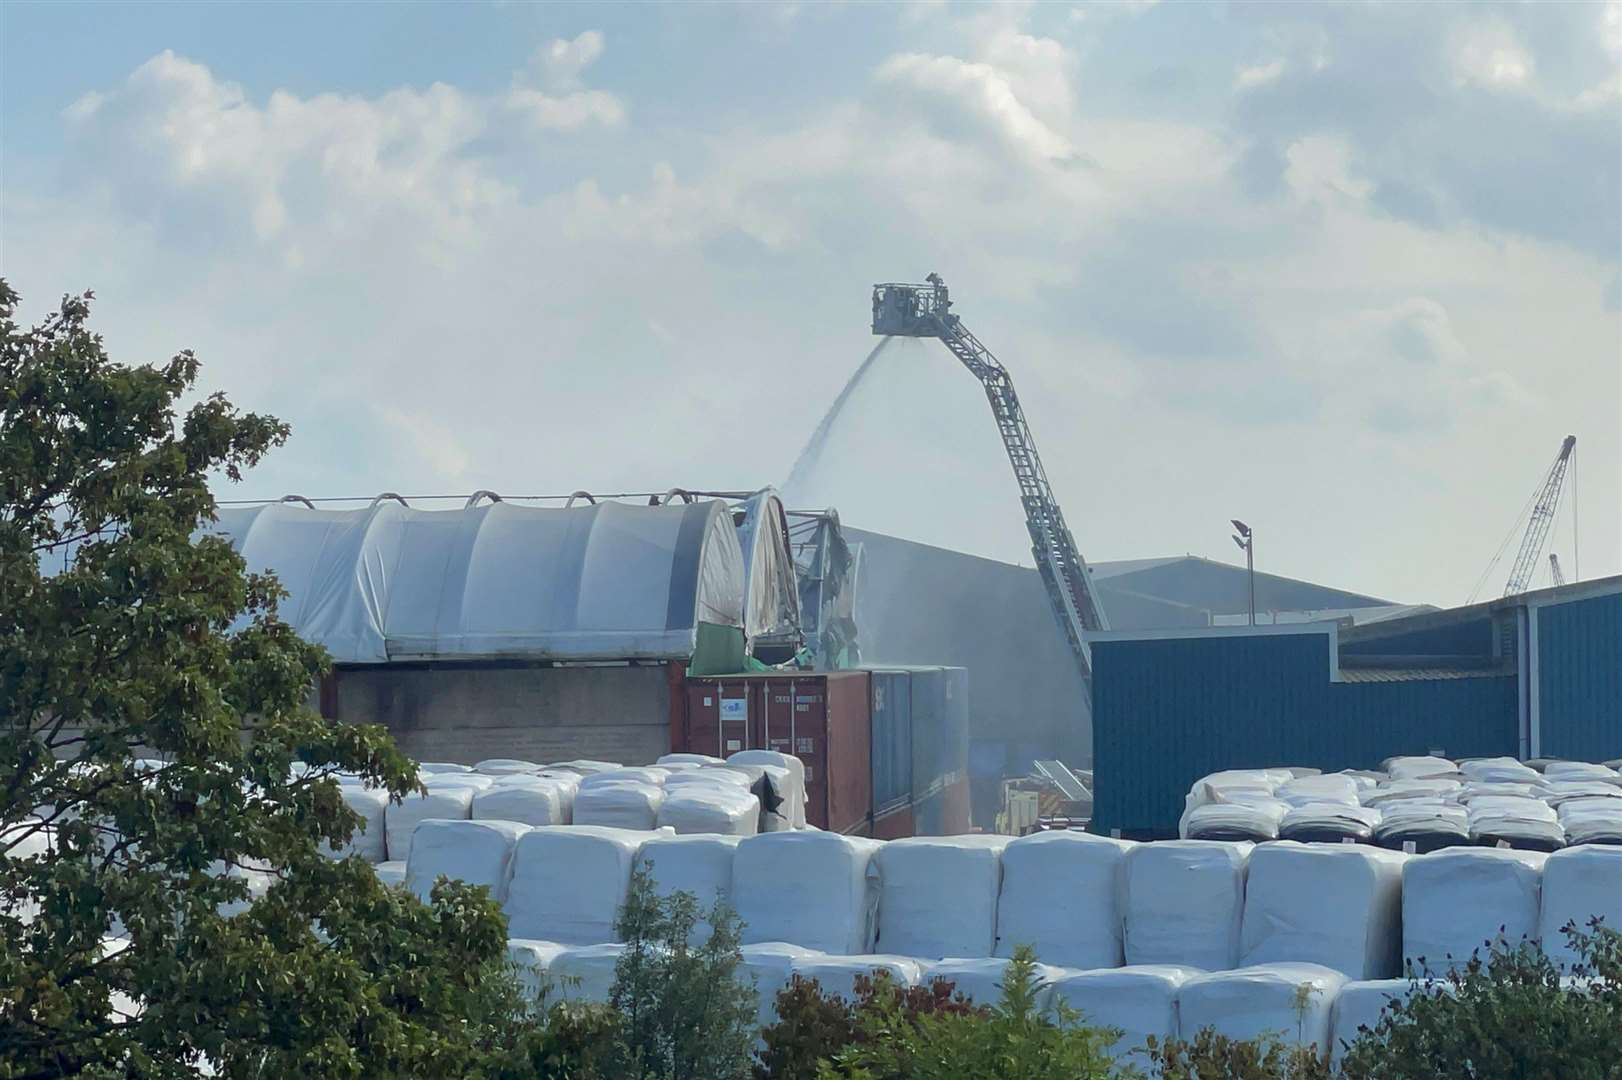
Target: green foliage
{"type": "Point", "coordinates": [150, 739]}
{"type": "Point", "coordinates": [1210, 1056]}
{"type": "Point", "coordinates": [573, 1041]}
{"type": "Point", "coordinates": [1509, 1015]}
{"type": "Point", "coordinates": [684, 1013]}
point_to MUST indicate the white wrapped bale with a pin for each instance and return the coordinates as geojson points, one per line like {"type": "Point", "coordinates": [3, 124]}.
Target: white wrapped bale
{"type": "Point", "coordinates": [1337, 905]}
{"type": "Point", "coordinates": [538, 803]}
{"type": "Point", "coordinates": [981, 980]}
{"type": "Point", "coordinates": [1306, 790]}
{"type": "Point", "coordinates": [1592, 821]}
{"type": "Point", "coordinates": [440, 768]}
{"type": "Point", "coordinates": [531, 961]}
{"type": "Point", "coordinates": [400, 819]}
{"type": "Point", "coordinates": [392, 872]}
{"type": "Point", "coordinates": [812, 889]}
{"type": "Point", "coordinates": [1358, 1006]}
{"type": "Point", "coordinates": [1239, 818]}
{"type": "Point", "coordinates": [769, 966]}
{"type": "Point", "coordinates": [697, 808]}
{"type": "Point", "coordinates": [1519, 822]}
{"type": "Point", "coordinates": [506, 767]}
{"type": "Point", "coordinates": [625, 804]}
{"type": "Point", "coordinates": [1428, 824]}
{"type": "Point", "coordinates": [689, 759]}
{"type": "Point", "coordinates": [1184, 900]}
{"type": "Point", "coordinates": [584, 973]}
{"type": "Point", "coordinates": [636, 774]}
{"type": "Point", "coordinates": [568, 883]}
{"type": "Point", "coordinates": [1499, 770]}
{"type": "Point", "coordinates": [369, 840]}
{"type": "Point", "coordinates": [1061, 895]}
{"type": "Point", "coordinates": [1579, 884]}
{"type": "Point", "coordinates": [1139, 1001]}
{"type": "Point", "coordinates": [1419, 768]}
{"type": "Point", "coordinates": [938, 895]}
{"type": "Point", "coordinates": [1559, 792]}
{"type": "Point", "coordinates": [716, 777]}
{"type": "Point", "coordinates": [471, 780]}
{"type": "Point", "coordinates": [1582, 770]}
{"type": "Point", "coordinates": [476, 852]}
{"type": "Point", "coordinates": [700, 865]}
{"type": "Point", "coordinates": [585, 766]}
{"type": "Point", "coordinates": [837, 974]}
{"type": "Point", "coordinates": [1329, 823]}
{"type": "Point", "coordinates": [1440, 788]}
{"type": "Point", "coordinates": [1455, 901]}
{"type": "Point", "coordinates": [1295, 1000]}
{"type": "Point", "coordinates": [794, 794]}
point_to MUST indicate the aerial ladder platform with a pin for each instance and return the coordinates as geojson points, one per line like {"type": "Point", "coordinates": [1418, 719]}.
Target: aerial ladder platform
{"type": "Point", "coordinates": [924, 311]}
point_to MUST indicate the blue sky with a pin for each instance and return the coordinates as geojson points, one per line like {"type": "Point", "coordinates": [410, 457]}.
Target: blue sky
{"type": "Point", "coordinates": [1349, 272]}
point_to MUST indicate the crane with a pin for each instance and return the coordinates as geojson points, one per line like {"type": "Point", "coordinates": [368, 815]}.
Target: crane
{"type": "Point", "coordinates": [924, 311]}
{"type": "Point", "coordinates": [1556, 575]}
{"type": "Point", "coordinates": [1542, 519]}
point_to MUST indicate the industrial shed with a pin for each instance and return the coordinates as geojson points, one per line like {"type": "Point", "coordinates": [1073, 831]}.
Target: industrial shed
{"type": "Point", "coordinates": [1539, 674]}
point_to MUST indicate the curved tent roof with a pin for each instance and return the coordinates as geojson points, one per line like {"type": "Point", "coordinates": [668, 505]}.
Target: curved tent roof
{"type": "Point", "coordinates": [602, 582]}
{"type": "Point", "coordinates": [771, 594]}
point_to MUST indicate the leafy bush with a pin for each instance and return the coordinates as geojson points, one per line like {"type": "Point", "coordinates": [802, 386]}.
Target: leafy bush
{"type": "Point", "coordinates": [1211, 1056]}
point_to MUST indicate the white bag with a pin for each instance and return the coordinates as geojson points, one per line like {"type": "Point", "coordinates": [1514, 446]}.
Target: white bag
{"type": "Point", "coordinates": [1337, 905]}
{"type": "Point", "coordinates": [699, 808]}
{"type": "Point", "coordinates": [636, 774]}
{"type": "Point", "coordinates": [440, 768]}
{"type": "Point", "coordinates": [538, 802]}
{"type": "Point", "coordinates": [1419, 768]}
{"type": "Point", "coordinates": [716, 777]}
{"type": "Point", "coordinates": [1061, 895]}
{"type": "Point", "coordinates": [689, 759]}
{"type": "Point", "coordinates": [1579, 884]}
{"type": "Point", "coordinates": [794, 795]}
{"type": "Point", "coordinates": [1359, 1005]}
{"type": "Point", "coordinates": [1500, 770]}
{"type": "Point", "coordinates": [1455, 901]}
{"type": "Point", "coordinates": [700, 865]}
{"type": "Point", "coordinates": [769, 965]}
{"type": "Point", "coordinates": [531, 960]}
{"type": "Point", "coordinates": [390, 873]}
{"type": "Point", "coordinates": [477, 852]}
{"type": "Point", "coordinates": [400, 819]}
{"type": "Point", "coordinates": [811, 889]}
{"type": "Point", "coordinates": [1305, 790]}
{"type": "Point", "coordinates": [1139, 1001]}
{"type": "Point", "coordinates": [837, 974]}
{"type": "Point", "coordinates": [471, 780]}
{"type": "Point", "coordinates": [369, 840]}
{"type": "Point", "coordinates": [1582, 770]}
{"type": "Point", "coordinates": [1184, 900]}
{"type": "Point", "coordinates": [568, 883]}
{"type": "Point", "coordinates": [506, 766]}
{"type": "Point", "coordinates": [1256, 1001]}
{"type": "Point", "coordinates": [625, 804]}
{"type": "Point", "coordinates": [584, 973]}
{"type": "Point", "coordinates": [938, 895]}
{"type": "Point", "coordinates": [981, 980]}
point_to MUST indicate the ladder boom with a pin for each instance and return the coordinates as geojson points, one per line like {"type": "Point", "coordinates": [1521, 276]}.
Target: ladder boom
{"type": "Point", "coordinates": [1541, 520]}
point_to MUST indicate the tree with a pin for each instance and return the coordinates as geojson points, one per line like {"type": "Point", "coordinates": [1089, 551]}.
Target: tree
{"type": "Point", "coordinates": [155, 741]}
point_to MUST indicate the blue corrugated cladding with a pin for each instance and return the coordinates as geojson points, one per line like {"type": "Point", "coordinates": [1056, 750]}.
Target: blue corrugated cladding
{"type": "Point", "coordinates": [892, 739]}
{"type": "Point", "coordinates": [1168, 711]}
{"type": "Point", "coordinates": [1580, 678]}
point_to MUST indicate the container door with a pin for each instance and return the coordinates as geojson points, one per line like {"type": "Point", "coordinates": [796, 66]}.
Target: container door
{"type": "Point", "coordinates": [799, 726]}
{"type": "Point", "coordinates": [718, 717]}
{"type": "Point", "coordinates": [892, 739]}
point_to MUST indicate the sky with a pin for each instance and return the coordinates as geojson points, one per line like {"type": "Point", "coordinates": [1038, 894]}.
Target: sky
{"type": "Point", "coordinates": [1346, 272]}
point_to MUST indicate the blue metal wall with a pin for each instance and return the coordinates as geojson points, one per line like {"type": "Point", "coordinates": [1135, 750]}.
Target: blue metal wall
{"type": "Point", "coordinates": [1168, 711]}
{"type": "Point", "coordinates": [892, 739]}
{"type": "Point", "coordinates": [1580, 678]}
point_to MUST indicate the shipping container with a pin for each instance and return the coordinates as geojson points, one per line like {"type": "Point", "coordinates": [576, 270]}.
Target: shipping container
{"type": "Point", "coordinates": [892, 740]}
{"type": "Point", "coordinates": [824, 719]}
{"type": "Point", "coordinates": [895, 823]}
{"type": "Point", "coordinates": [921, 745]}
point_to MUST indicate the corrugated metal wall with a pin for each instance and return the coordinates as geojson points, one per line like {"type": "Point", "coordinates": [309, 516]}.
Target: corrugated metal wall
{"type": "Point", "coordinates": [1580, 678]}
{"type": "Point", "coordinates": [1168, 711]}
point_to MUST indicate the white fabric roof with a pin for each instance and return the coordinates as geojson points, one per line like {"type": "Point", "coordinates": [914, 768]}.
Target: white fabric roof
{"type": "Point", "coordinates": [771, 587]}
{"type": "Point", "coordinates": [609, 581]}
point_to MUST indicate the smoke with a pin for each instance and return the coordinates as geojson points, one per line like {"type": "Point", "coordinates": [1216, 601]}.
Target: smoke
{"type": "Point", "coordinates": [806, 464]}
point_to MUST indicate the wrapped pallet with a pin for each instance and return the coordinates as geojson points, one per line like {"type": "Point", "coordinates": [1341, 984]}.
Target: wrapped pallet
{"type": "Point", "coordinates": [1579, 884]}
{"type": "Point", "coordinates": [1061, 895]}
{"type": "Point", "coordinates": [585, 766]}
{"type": "Point", "coordinates": [1582, 770]}
{"type": "Point", "coordinates": [1456, 901]}
{"type": "Point", "coordinates": [531, 961]}
{"type": "Point", "coordinates": [442, 767]}
{"type": "Point", "coordinates": [699, 808]}
{"type": "Point", "coordinates": [768, 966]}
{"type": "Point", "coordinates": [506, 767]}
{"type": "Point", "coordinates": [1526, 823]}
{"type": "Point", "coordinates": [584, 973]}
{"type": "Point", "coordinates": [475, 852]}
{"type": "Point", "coordinates": [837, 974]}
{"type": "Point", "coordinates": [1337, 905]}
{"type": "Point", "coordinates": [1499, 770]}
{"type": "Point", "coordinates": [981, 980]}
{"type": "Point", "coordinates": [1305, 790]}
{"type": "Point", "coordinates": [699, 865]}
{"type": "Point", "coordinates": [1358, 1006]}
{"type": "Point", "coordinates": [1425, 824]}
{"type": "Point", "coordinates": [470, 780]}
{"type": "Point", "coordinates": [1419, 768]}
{"type": "Point", "coordinates": [1592, 821]}
{"type": "Point", "coordinates": [669, 760]}
{"type": "Point", "coordinates": [812, 889]}
{"type": "Point", "coordinates": [621, 804]}
{"type": "Point", "coordinates": [713, 777]}
{"type": "Point", "coordinates": [794, 795]}
{"type": "Point", "coordinates": [568, 883]}
{"type": "Point", "coordinates": [1329, 823]}
{"type": "Point", "coordinates": [1138, 1001]}
{"type": "Point", "coordinates": [938, 895]}
{"type": "Point", "coordinates": [1297, 1000]}
{"type": "Point", "coordinates": [1244, 818]}
{"type": "Point", "coordinates": [531, 800]}
{"type": "Point", "coordinates": [392, 872]}
{"type": "Point", "coordinates": [369, 840]}
{"type": "Point", "coordinates": [449, 803]}
{"type": "Point", "coordinates": [1184, 900]}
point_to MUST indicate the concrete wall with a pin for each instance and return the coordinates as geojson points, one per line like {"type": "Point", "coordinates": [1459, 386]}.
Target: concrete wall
{"type": "Point", "coordinates": [469, 712]}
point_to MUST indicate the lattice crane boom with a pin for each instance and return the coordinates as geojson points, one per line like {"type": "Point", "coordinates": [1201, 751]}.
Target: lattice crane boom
{"type": "Point", "coordinates": [904, 310]}
{"type": "Point", "coordinates": [1541, 520]}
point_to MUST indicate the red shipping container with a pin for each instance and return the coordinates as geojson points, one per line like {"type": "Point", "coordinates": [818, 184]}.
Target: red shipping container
{"type": "Point", "coordinates": [823, 719]}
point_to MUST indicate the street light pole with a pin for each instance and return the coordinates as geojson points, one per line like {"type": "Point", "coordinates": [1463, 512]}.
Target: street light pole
{"type": "Point", "coordinates": [1247, 543]}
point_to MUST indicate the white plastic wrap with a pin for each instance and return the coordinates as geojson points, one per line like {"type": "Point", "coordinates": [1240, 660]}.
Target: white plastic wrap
{"type": "Point", "coordinates": [700, 865]}
{"type": "Point", "coordinates": [689, 759]}
{"type": "Point", "coordinates": [1139, 1001]}
{"type": "Point", "coordinates": [1410, 789]}
{"type": "Point", "coordinates": [506, 766]}
{"type": "Point", "coordinates": [1455, 901]}
{"type": "Point", "coordinates": [1183, 901]}
{"type": "Point", "coordinates": [795, 795]}
{"type": "Point", "coordinates": [1418, 768]}
{"type": "Point", "coordinates": [1329, 822]}
{"type": "Point", "coordinates": [1359, 1005]}
{"type": "Point", "coordinates": [701, 808]}
{"type": "Point", "coordinates": [477, 852]}
{"type": "Point", "coordinates": [1256, 1001]}
{"type": "Point", "coordinates": [1305, 790]}
{"type": "Point", "coordinates": [1061, 895]}
{"type": "Point", "coordinates": [809, 888]}
{"type": "Point", "coordinates": [1592, 821]}
{"type": "Point", "coordinates": [442, 767]}
{"type": "Point", "coordinates": [537, 803]}
{"type": "Point", "coordinates": [1241, 819]}
{"type": "Point", "coordinates": [1338, 905]}
{"type": "Point", "coordinates": [1579, 884]}
{"type": "Point", "coordinates": [1582, 770]}
{"type": "Point", "coordinates": [1521, 822]}
{"type": "Point", "coordinates": [1558, 792]}
{"type": "Point", "coordinates": [531, 960]}
{"type": "Point", "coordinates": [401, 818]}
{"type": "Point", "coordinates": [392, 872]}
{"type": "Point", "coordinates": [1501, 770]}
{"type": "Point", "coordinates": [471, 780]}
{"type": "Point", "coordinates": [715, 777]}
{"type": "Point", "coordinates": [938, 895]}
{"type": "Point", "coordinates": [369, 840]}
{"type": "Point", "coordinates": [639, 774]}
{"type": "Point", "coordinates": [1482, 789]}
{"type": "Point", "coordinates": [585, 766]}
{"type": "Point", "coordinates": [980, 980]}
{"type": "Point", "coordinates": [624, 804]}
{"type": "Point", "coordinates": [837, 974]}
{"type": "Point", "coordinates": [770, 965]}
{"type": "Point", "coordinates": [584, 973]}
{"type": "Point", "coordinates": [568, 883]}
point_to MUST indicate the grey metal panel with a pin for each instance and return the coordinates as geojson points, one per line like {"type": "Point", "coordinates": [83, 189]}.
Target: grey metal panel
{"type": "Point", "coordinates": [1579, 675]}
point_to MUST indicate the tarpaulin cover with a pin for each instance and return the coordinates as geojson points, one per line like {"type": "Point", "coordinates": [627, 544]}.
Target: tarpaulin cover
{"type": "Point", "coordinates": [837, 974]}
{"type": "Point", "coordinates": [450, 803]}
{"type": "Point", "coordinates": [1061, 895]}
{"type": "Point", "coordinates": [625, 804]}
{"type": "Point", "coordinates": [568, 882]}
{"type": "Point", "coordinates": [771, 591]}
{"type": "Point", "coordinates": [705, 808]}
{"type": "Point", "coordinates": [1268, 999]}
{"type": "Point", "coordinates": [1184, 900]}
{"type": "Point", "coordinates": [808, 888]}
{"type": "Point", "coordinates": [1339, 905]}
{"type": "Point", "coordinates": [1455, 901]}
{"type": "Point", "coordinates": [477, 852]}
{"type": "Point", "coordinates": [1139, 1001]}
{"type": "Point", "coordinates": [769, 965]}
{"type": "Point", "coordinates": [530, 960]}
{"type": "Point", "coordinates": [1579, 884]}
{"type": "Point", "coordinates": [938, 895]}
{"type": "Point", "coordinates": [980, 980]}
{"type": "Point", "coordinates": [700, 865]}
{"type": "Point", "coordinates": [609, 581]}
{"type": "Point", "coordinates": [531, 800]}
{"type": "Point", "coordinates": [584, 972]}
{"type": "Point", "coordinates": [1359, 1005]}
{"type": "Point", "coordinates": [368, 841]}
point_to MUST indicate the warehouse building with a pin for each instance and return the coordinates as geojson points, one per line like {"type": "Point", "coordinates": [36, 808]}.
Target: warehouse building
{"type": "Point", "coordinates": [1533, 675]}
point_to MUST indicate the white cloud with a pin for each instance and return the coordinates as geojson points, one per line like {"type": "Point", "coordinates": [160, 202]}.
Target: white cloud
{"type": "Point", "coordinates": [984, 92]}
{"type": "Point", "coordinates": [1320, 168]}
{"type": "Point", "coordinates": [1258, 75]}
{"type": "Point", "coordinates": [1487, 53]}
{"type": "Point", "coordinates": [550, 95]}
